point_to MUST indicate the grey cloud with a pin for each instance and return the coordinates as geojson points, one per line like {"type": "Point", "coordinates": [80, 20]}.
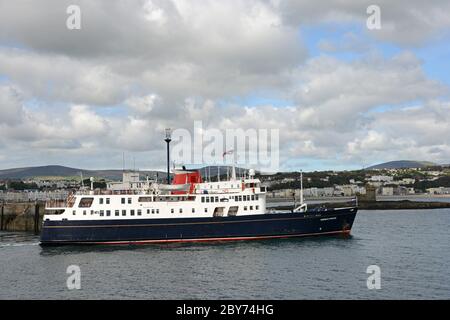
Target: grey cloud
{"type": "Point", "coordinates": [202, 48]}
{"type": "Point", "coordinates": [11, 110]}
{"type": "Point", "coordinates": [404, 22]}
{"type": "Point", "coordinates": [59, 78]}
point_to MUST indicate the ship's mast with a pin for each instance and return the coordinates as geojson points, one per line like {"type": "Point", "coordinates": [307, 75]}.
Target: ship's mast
{"type": "Point", "coordinates": [167, 140]}
{"type": "Point", "coordinates": [233, 172]}
{"type": "Point", "coordinates": [303, 207]}
{"type": "Point", "coordinates": [82, 182]}
{"type": "Point", "coordinates": [92, 185]}
{"type": "Point", "coordinates": [301, 187]}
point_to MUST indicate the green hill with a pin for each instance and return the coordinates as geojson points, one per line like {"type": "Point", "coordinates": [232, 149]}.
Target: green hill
{"type": "Point", "coordinates": [401, 164]}
{"type": "Point", "coordinates": [62, 171]}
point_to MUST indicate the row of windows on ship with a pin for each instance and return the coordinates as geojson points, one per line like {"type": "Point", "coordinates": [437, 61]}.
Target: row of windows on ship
{"type": "Point", "coordinates": [138, 212]}
{"type": "Point", "coordinates": [87, 202]}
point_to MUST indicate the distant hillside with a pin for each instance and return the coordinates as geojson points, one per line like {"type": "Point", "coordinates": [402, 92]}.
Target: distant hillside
{"type": "Point", "coordinates": [61, 171]}
{"type": "Point", "coordinates": [401, 164]}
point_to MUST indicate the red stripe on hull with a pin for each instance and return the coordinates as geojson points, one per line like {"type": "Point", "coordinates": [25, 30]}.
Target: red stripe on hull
{"type": "Point", "coordinates": [343, 232]}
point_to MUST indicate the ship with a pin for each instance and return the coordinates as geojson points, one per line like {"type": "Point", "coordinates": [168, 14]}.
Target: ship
{"type": "Point", "coordinates": [189, 209]}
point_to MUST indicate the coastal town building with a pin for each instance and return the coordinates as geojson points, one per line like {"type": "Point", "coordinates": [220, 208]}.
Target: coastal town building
{"type": "Point", "coordinates": [439, 190]}
{"type": "Point", "coordinates": [385, 179]}
{"type": "Point", "coordinates": [387, 191]}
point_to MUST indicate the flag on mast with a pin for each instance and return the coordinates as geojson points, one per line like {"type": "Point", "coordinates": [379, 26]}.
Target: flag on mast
{"type": "Point", "coordinates": [227, 152]}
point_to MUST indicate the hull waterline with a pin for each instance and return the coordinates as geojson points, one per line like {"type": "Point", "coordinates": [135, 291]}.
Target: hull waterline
{"type": "Point", "coordinates": [175, 230]}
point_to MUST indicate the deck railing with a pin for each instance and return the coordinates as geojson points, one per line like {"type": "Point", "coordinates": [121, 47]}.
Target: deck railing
{"type": "Point", "coordinates": [110, 192]}
{"type": "Point", "coordinates": [56, 204]}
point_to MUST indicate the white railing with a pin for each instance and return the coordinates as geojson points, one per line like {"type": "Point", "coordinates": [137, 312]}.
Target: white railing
{"type": "Point", "coordinates": [56, 204]}
{"type": "Point", "coordinates": [111, 192]}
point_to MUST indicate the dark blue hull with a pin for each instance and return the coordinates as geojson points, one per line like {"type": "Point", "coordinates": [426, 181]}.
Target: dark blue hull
{"type": "Point", "coordinates": [279, 225]}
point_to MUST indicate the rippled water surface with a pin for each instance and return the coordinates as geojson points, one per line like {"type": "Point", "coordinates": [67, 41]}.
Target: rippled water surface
{"type": "Point", "coordinates": [412, 248]}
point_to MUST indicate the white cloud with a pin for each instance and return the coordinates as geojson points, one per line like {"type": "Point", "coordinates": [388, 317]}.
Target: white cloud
{"type": "Point", "coordinates": [421, 132]}
{"type": "Point", "coordinates": [85, 123]}
{"type": "Point", "coordinates": [143, 105]}
{"type": "Point", "coordinates": [137, 67]}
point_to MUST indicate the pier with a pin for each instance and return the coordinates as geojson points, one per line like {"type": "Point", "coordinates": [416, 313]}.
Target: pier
{"type": "Point", "coordinates": [367, 205]}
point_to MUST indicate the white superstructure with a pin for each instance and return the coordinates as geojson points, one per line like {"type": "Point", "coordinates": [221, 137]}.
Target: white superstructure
{"type": "Point", "coordinates": [130, 181]}
{"type": "Point", "coordinates": [190, 198]}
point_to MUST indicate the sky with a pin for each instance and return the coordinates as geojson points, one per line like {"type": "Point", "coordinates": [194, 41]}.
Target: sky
{"type": "Point", "coordinates": [342, 96]}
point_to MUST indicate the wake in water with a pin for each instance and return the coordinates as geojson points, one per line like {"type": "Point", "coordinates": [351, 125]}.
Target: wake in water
{"type": "Point", "coordinates": [15, 239]}
{"type": "Point", "coordinates": [19, 244]}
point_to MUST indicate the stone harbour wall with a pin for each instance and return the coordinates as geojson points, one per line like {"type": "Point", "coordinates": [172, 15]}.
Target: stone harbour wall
{"type": "Point", "coordinates": [25, 216]}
